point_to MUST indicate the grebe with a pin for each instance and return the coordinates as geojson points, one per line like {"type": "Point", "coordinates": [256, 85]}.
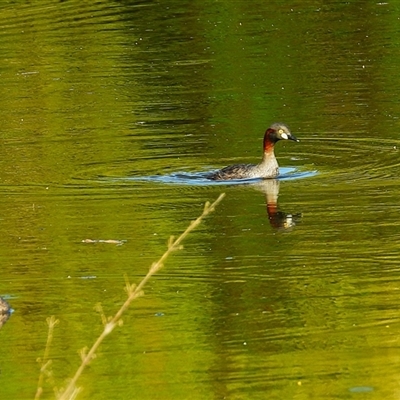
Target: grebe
{"type": "Point", "coordinates": [268, 167]}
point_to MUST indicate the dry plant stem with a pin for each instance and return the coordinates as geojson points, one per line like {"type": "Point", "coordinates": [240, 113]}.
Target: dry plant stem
{"type": "Point", "coordinates": [133, 293]}
{"type": "Point", "coordinates": [51, 322]}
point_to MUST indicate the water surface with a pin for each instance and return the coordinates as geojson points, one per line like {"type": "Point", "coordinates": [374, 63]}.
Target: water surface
{"type": "Point", "coordinates": [291, 288]}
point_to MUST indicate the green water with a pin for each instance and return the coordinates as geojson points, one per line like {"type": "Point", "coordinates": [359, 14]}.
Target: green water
{"type": "Point", "coordinates": [105, 103]}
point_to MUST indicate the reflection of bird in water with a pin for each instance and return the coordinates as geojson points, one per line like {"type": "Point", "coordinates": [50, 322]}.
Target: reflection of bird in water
{"type": "Point", "coordinates": [267, 168]}
{"type": "Point", "coordinates": [277, 219]}
{"type": "Point", "coordinates": [5, 311]}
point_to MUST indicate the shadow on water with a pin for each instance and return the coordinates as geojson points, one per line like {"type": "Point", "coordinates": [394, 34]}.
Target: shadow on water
{"type": "Point", "coordinates": [278, 219]}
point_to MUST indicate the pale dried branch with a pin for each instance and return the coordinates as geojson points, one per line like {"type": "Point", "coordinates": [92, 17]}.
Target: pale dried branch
{"type": "Point", "coordinates": [133, 293]}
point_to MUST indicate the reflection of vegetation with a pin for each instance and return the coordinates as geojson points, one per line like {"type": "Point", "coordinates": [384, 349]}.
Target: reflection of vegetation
{"type": "Point", "coordinates": [134, 291]}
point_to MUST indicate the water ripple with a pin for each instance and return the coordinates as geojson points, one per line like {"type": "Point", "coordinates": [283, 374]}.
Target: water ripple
{"type": "Point", "coordinates": [199, 178]}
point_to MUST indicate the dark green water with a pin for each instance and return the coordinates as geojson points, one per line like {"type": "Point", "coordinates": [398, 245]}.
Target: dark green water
{"type": "Point", "coordinates": [104, 104]}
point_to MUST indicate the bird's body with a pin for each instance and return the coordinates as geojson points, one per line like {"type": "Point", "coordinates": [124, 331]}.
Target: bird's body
{"type": "Point", "coordinates": [267, 168]}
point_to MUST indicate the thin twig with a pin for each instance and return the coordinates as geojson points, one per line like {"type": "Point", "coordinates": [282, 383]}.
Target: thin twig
{"type": "Point", "coordinates": [133, 293]}
{"type": "Point", "coordinates": [51, 322]}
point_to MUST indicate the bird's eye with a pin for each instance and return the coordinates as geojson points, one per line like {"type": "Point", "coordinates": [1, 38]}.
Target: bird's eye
{"type": "Point", "coordinates": [280, 131]}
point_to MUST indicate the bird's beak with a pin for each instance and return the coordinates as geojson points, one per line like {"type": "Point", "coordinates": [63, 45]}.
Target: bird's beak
{"type": "Point", "coordinates": [294, 138]}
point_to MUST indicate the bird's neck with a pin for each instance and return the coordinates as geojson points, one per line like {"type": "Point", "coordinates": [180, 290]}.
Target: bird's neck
{"type": "Point", "coordinates": [268, 149]}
